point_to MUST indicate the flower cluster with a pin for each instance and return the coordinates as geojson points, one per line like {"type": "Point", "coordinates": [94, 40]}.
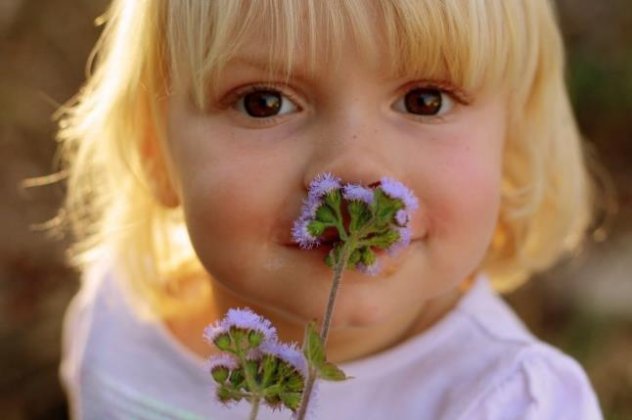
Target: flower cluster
{"type": "Point", "coordinates": [355, 221]}
{"type": "Point", "coordinates": [253, 364]}
{"type": "Point", "coordinates": [375, 217]}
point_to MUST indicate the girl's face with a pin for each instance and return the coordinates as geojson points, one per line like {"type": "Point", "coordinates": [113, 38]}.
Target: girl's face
{"type": "Point", "coordinates": [242, 168]}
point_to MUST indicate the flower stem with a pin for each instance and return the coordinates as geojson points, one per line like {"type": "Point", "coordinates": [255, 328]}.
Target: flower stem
{"type": "Point", "coordinates": [338, 271]}
{"type": "Point", "coordinates": [255, 398]}
{"type": "Point", "coordinates": [307, 393]}
{"type": "Point", "coordinates": [255, 407]}
{"type": "Point", "coordinates": [324, 332]}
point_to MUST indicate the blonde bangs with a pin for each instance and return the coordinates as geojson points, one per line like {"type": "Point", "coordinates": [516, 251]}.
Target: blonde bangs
{"type": "Point", "coordinates": [474, 45]}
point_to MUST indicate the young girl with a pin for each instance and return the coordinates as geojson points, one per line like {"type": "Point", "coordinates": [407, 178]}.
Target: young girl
{"type": "Point", "coordinates": [191, 148]}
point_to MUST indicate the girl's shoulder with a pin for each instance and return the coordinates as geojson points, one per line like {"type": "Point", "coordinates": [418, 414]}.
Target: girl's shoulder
{"type": "Point", "coordinates": [479, 361]}
{"type": "Point", "coordinates": [117, 363]}
{"type": "Point", "coordinates": [539, 383]}
{"type": "Point", "coordinates": [519, 375]}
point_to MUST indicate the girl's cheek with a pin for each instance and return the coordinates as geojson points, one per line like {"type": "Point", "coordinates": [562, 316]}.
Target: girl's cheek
{"type": "Point", "coordinates": [465, 191]}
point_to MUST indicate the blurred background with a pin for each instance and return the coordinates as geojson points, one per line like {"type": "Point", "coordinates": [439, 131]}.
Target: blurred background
{"type": "Point", "coordinates": [583, 306]}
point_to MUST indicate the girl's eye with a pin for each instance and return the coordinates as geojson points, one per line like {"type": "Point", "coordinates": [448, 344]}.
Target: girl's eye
{"type": "Point", "coordinates": [428, 102]}
{"type": "Point", "coordinates": [265, 103]}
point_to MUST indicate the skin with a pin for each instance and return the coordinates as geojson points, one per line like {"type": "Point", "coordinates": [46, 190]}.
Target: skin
{"type": "Point", "coordinates": [241, 181]}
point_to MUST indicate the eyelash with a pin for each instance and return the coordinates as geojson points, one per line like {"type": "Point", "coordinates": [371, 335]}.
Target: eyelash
{"type": "Point", "coordinates": [233, 98]}
{"type": "Point", "coordinates": [460, 97]}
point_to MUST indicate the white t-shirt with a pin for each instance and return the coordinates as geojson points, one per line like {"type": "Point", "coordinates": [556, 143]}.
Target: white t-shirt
{"type": "Point", "coordinates": [478, 362]}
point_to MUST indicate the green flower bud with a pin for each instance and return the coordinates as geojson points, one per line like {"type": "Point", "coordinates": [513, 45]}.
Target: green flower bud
{"type": "Point", "coordinates": [291, 400]}
{"type": "Point", "coordinates": [334, 198]}
{"type": "Point", "coordinates": [316, 228]}
{"type": "Point", "coordinates": [237, 378]}
{"type": "Point", "coordinates": [223, 342]}
{"type": "Point", "coordinates": [368, 257]}
{"type": "Point", "coordinates": [326, 215]}
{"type": "Point", "coordinates": [355, 256]}
{"type": "Point", "coordinates": [385, 239]}
{"type": "Point", "coordinates": [295, 382]}
{"type": "Point", "coordinates": [384, 208]}
{"type": "Point", "coordinates": [255, 338]}
{"type": "Point", "coordinates": [224, 394]}
{"type": "Point", "coordinates": [268, 366]}
{"type": "Point", "coordinates": [273, 400]}
{"type": "Point", "coordinates": [251, 368]}
{"type": "Point", "coordinates": [334, 255]}
{"type": "Point", "coordinates": [359, 215]}
{"type": "Point", "coordinates": [220, 374]}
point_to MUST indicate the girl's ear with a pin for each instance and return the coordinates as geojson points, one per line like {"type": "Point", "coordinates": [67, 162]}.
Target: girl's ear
{"type": "Point", "coordinates": [157, 171]}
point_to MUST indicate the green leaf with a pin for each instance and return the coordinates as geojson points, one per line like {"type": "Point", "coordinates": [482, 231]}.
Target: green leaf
{"type": "Point", "coordinates": [330, 372]}
{"type": "Point", "coordinates": [313, 347]}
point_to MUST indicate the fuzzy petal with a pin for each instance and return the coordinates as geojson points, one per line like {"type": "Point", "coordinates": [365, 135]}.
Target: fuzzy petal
{"type": "Point", "coordinates": [244, 319]}
{"type": "Point", "coordinates": [358, 192]}
{"type": "Point", "coordinates": [397, 190]}
{"type": "Point", "coordinates": [323, 184]}
{"type": "Point", "coordinates": [301, 234]}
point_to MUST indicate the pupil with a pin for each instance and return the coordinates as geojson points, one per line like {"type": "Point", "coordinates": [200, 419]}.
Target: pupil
{"type": "Point", "coordinates": [423, 101]}
{"type": "Point", "coordinates": [262, 104]}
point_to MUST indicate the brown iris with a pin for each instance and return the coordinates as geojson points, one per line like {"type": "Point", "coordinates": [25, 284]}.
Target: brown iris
{"type": "Point", "coordinates": [423, 101]}
{"type": "Point", "coordinates": [263, 103]}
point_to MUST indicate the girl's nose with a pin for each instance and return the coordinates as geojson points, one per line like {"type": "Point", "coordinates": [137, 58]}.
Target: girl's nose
{"type": "Point", "coordinates": [357, 155]}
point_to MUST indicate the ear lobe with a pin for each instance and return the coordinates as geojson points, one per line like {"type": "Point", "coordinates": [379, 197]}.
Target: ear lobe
{"type": "Point", "coordinates": [157, 173]}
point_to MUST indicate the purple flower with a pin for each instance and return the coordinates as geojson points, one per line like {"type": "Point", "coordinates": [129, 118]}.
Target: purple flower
{"type": "Point", "coordinates": [397, 190]}
{"type": "Point", "coordinates": [243, 319]}
{"type": "Point", "coordinates": [371, 270]}
{"type": "Point", "coordinates": [401, 217]}
{"type": "Point", "coordinates": [323, 184]}
{"type": "Point", "coordinates": [403, 242]}
{"type": "Point", "coordinates": [289, 353]}
{"type": "Point", "coordinates": [310, 206]}
{"type": "Point", "coordinates": [357, 192]}
{"type": "Point", "coordinates": [302, 235]}
{"type": "Point", "coordinates": [221, 361]}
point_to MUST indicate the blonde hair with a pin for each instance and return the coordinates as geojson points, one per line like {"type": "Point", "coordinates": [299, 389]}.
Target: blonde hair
{"type": "Point", "coordinates": [148, 46]}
